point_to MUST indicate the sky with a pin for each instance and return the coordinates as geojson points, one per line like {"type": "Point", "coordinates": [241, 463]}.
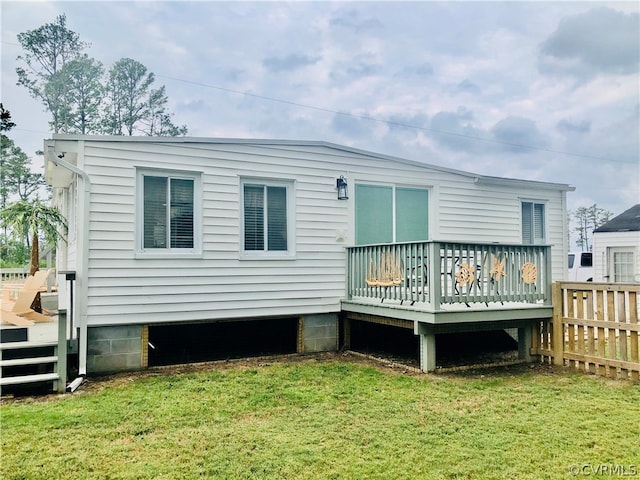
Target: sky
{"type": "Point", "coordinates": [546, 91]}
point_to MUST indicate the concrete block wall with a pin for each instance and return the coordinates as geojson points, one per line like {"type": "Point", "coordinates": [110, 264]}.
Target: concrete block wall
{"type": "Point", "coordinates": [320, 333]}
{"type": "Point", "coordinates": [115, 349]}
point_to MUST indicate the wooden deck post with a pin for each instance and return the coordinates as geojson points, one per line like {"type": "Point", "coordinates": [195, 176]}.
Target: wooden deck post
{"type": "Point", "coordinates": [61, 350]}
{"type": "Point", "coordinates": [525, 343]}
{"type": "Point", "coordinates": [427, 352]}
{"type": "Point", "coordinates": [300, 336]}
{"type": "Point", "coordinates": [558, 329]}
{"type": "Point", "coordinates": [346, 333]}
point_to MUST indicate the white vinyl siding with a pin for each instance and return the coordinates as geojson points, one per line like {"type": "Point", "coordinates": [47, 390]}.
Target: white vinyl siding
{"type": "Point", "coordinates": [221, 283]}
{"type": "Point", "coordinates": [533, 223]}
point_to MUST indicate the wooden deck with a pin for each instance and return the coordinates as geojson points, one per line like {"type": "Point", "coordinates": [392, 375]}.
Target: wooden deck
{"type": "Point", "coordinates": [448, 286]}
{"type": "Point", "coordinates": [444, 279]}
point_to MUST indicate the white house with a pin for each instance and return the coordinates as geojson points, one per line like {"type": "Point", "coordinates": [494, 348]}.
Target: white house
{"type": "Point", "coordinates": [616, 248]}
{"type": "Point", "coordinates": [181, 231]}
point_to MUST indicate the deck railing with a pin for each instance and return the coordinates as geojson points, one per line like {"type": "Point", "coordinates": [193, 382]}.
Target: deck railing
{"type": "Point", "coordinates": [437, 273]}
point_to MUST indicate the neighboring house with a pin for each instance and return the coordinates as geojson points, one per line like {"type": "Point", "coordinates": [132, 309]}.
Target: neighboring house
{"type": "Point", "coordinates": [166, 231]}
{"type": "Point", "coordinates": [616, 248]}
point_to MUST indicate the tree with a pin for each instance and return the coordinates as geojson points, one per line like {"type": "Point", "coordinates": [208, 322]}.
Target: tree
{"type": "Point", "coordinates": [82, 95]}
{"type": "Point", "coordinates": [47, 49]}
{"type": "Point", "coordinates": [13, 254]}
{"type": "Point", "coordinates": [127, 91]}
{"type": "Point", "coordinates": [15, 173]}
{"type": "Point", "coordinates": [16, 177]}
{"type": "Point", "coordinates": [70, 85]}
{"type": "Point", "coordinates": [587, 220]}
{"type": "Point", "coordinates": [5, 144]}
{"type": "Point", "coordinates": [134, 105]}
{"type": "Point", "coordinates": [158, 121]}
{"type": "Point", "coordinates": [35, 218]}
{"type": "Point", "coordinates": [5, 119]}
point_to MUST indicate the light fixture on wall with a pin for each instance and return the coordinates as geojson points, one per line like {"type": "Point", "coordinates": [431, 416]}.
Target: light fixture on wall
{"type": "Point", "coordinates": [341, 185]}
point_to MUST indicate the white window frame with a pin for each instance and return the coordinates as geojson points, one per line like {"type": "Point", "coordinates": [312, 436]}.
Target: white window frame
{"type": "Point", "coordinates": [612, 274]}
{"type": "Point", "coordinates": [394, 187]}
{"type": "Point", "coordinates": [140, 250]}
{"type": "Point", "coordinates": [290, 253]}
{"type": "Point", "coordinates": [536, 241]}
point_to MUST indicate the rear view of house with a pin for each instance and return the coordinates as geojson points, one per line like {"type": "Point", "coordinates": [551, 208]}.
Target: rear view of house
{"type": "Point", "coordinates": [167, 235]}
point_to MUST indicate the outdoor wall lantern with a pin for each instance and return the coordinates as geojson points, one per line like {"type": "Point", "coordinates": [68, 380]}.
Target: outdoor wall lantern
{"type": "Point", "coordinates": [341, 185]}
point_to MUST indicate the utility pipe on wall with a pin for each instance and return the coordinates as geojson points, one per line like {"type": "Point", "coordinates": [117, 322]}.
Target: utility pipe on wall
{"type": "Point", "coordinates": [82, 280]}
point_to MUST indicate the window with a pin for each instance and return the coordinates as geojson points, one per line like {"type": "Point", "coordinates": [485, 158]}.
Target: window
{"type": "Point", "coordinates": [622, 263]}
{"type": "Point", "coordinates": [168, 211]}
{"type": "Point", "coordinates": [586, 259]}
{"type": "Point", "coordinates": [267, 223]}
{"type": "Point", "coordinates": [386, 214]}
{"type": "Point", "coordinates": [533, 228]}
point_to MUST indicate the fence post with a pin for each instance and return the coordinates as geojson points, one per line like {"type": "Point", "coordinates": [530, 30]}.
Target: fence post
{"type": "Point", "coordinates": [558, 328]}
{"type": "Point", "coordinates": [548, 275]}
{"type": "Point", "coordinates": [62, 351]}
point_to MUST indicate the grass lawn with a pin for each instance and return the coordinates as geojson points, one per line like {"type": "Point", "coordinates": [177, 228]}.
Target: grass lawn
{"type": "Point", "coordinates": [326, 417]}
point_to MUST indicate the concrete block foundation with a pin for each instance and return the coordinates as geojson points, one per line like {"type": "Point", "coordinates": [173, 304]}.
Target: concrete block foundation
{"type": "Point", "coordinates": [115, 349]}
{"type": "Point", "coordinates": [319, 333]}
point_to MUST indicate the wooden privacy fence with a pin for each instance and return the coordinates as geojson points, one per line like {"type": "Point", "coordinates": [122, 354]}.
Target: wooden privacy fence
{"type": "Point", "coordinates": [595, 328]}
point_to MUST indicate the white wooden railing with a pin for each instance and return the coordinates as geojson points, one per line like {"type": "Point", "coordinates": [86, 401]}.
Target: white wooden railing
{"type": "Point", "coordinates": [440, 273]}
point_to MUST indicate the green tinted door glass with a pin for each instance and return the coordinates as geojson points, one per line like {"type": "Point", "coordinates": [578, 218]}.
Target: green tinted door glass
{"type": "Point", "coordinates": [412, 217]}
{"type": "Point", "coordinates": [374, 214]}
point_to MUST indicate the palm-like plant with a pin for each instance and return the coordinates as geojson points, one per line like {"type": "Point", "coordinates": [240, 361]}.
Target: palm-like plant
{"type": "Point", "coordinates": [33, 218]}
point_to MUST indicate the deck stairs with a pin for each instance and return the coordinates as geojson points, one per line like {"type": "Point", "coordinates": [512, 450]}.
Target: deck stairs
{"type": "Point", "coordinates": [30, 363]}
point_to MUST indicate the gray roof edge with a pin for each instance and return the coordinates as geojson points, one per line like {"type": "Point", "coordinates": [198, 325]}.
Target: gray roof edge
{"type": "Point", "coordinates": [481, 179]}
{"type": "Point", "coordinates": [627, 221]}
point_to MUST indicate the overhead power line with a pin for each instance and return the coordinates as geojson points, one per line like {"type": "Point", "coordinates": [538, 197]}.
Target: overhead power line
{"type": "Point", "coordinates": [380, 120]}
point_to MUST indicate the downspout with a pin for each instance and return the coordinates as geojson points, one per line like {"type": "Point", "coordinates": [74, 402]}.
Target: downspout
{"type": "Point", "coordinates": [82, 278]}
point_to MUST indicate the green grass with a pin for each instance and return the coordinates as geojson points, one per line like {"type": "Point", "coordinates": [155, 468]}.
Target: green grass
{"type": "Point", "coordinates": [333, 419]}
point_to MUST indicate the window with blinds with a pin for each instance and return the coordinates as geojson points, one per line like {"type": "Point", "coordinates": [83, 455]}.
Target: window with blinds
{"type": "Point", "coordinates": [533, 229]}
{"type": "Point", "coordinates": [265, 215]}
{"type": "Point", "coordinates": [167, 212]}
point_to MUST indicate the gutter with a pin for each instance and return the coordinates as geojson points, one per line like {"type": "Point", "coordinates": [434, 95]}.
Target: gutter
{"type": "Point", "coordinates": [82, 278]}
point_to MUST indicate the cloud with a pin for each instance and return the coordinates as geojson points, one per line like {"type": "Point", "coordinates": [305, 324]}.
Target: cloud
{"type": "Point", "coordinates": [358, 67]}
{"type": "Point", "coordinates": [351, 126]}
{"type": "Point", "coordinates": [461, 133]}
{"type": "Point", "coordinates": [567, 71]}
{"type": "Point", "coordinates": [408, 125]}
{"type": "Point", "coordinates": [599, 41]}
{"type": "Point", "coordinates": [293, 61]}
{"type": "Point", "coordinates": [196, 106]}
{"type": "Point", "coordinates": [519, 131]}
{"type": "Point", "coordinates": [569, 126]}
{"type": "Point", "coordinates": [458, 131]}
{"type": "Point", "coordinates": [351, 20]}
{"type": "Point", "coordinates": [466, 86]}
{"type": "Point", "coordinates": [421, 70]}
